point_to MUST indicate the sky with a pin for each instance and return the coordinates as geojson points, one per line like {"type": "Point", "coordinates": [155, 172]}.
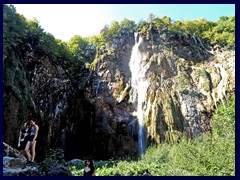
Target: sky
{"type": "Point", "coordinates": [64, 21]}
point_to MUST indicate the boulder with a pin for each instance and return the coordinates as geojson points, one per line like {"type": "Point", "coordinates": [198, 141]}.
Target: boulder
{"type": "Point", "coordinates": [59, 171]}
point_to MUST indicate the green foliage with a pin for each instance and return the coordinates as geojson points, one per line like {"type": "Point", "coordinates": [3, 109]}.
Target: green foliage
{"type": "Point", "coordinates": [14, 29]}
{"type": "Point", "coordinates": [113, 29]}
{"type": "Point", "coordinates": [224, 119]}
{"type": "Point", "coordinates": [109, 32]}
{"type": "Point", "coordinates": [81, 49]}
{"type": "Point", "coordinates": [16, 84]}
{"type": "Point", "coordinates": [53, 159]}
{"type": "Point", "coordinates": [34, 32]}
{"type": "Point", "coordinates": [128, 25]}
{"type": "Point", "coordinates": [19, 36]}
{"type": "Point", "coordinates": [141, 24]}
{"type": "Point", "coordinates": [223, 33]}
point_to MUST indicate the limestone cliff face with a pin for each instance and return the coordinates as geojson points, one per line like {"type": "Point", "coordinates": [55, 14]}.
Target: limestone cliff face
{"type": "Point", "coordinates": [96, 114]}
{"type": "Point", "coordinates": [185, 83]}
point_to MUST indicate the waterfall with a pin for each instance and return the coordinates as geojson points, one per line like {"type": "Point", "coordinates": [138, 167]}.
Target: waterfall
{"type": "Point", "coordinates": [136, 35]}
{"type": "Point", "coordinates": [139, 85]}
{"type": "Point", "coordinates": [220, 92]}
{"type": "Point", "coordinates": [194, 39]}
{"type": "Point", "coordinates": [204, 47]}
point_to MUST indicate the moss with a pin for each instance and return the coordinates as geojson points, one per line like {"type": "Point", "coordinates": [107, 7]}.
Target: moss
{"type": "Point", "coordinates": [178, 120]}
{"type": "Point", "coordinates": [183, 82]}
{"type": "Point", "coordinates": [159, 124]}
{"type": "Point", "coordinates": [206, 83]}
{"type": "Point", "coordinates": [15, 81]}
{"type": "Point", "coordinates": [172, 136]}
{"type": "Point", "coordinates": [102, 54]}
{"type": "Point", "coordinates": [9, 76]}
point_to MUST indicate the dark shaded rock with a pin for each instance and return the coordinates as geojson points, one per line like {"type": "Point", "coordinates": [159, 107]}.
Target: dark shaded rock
{"type": "Point", "coordinates": [11, 152]}
{"type": "Point", "coordinates": [59, 171]}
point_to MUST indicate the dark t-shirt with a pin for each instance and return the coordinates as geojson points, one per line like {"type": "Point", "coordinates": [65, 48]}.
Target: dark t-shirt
{"type": "Point", "coordinates": [24, 138]}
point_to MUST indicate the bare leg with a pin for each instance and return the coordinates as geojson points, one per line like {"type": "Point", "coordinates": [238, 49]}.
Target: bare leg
{"type": "Point", "coordinates": [27, 151]}
{"type": "Point", "coordinates": [33, 146]}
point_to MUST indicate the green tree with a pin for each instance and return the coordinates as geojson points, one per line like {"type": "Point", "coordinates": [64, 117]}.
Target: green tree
{"type": "Point", "coordinates": [141, 24]}
{"type": "Point", "coordinates": [128, 25]}
{"type": "Point", "coordinates": [113, 29]}
{"type": "Point", "coordinates": [14, 29]}
{"type": "Point", "coordinates": [81, 49]}
{"type": "Point", "coordinates": [223, 33]}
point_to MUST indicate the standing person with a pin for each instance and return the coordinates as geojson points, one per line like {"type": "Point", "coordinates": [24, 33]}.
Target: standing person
{"type": "Point", "coordinates": [23, 138]}
{"type": "Point", "coordinates": [32, 141]}
{"type": "Point", "coordinates": [89, 169]}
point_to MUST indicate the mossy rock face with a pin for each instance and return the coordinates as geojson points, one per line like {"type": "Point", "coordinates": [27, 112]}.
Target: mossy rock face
{"type": "Point", "coordinates": [202, 79]}
{"type": "Point", "coordinates": [16, 81]}
{"type": "Point", "coordinates": [215, 76]}
{"type": "Point", "coordinates": [168, 116]}
{"type": "Point", "coordinates": [183, 82]}
{"type": "Point", "coordinates": [172, 136]}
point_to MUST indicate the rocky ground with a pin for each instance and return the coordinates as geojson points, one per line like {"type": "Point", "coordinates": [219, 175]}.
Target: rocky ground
{"type": "Point", "coordinates": [15, 165]}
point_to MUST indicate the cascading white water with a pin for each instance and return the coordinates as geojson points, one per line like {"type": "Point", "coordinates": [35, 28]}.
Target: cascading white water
{"type": "Point", "coordinates": [211, 52]}
{"type": "Point", "coordinates": [139, 85]}
{"type": "Point", "coordinates": [222, 84]}
{"type": "Point", "coordinates": [220, 92]}
{"type": "Point", "coordinates": [194, 39]}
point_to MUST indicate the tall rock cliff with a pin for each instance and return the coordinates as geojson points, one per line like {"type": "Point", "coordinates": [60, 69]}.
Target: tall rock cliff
{"type": "Point", "coordinates": [169, 81]}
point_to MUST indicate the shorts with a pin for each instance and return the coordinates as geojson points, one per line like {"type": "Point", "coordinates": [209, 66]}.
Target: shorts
{"type": "Point", "coordinates": [30, 138]}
